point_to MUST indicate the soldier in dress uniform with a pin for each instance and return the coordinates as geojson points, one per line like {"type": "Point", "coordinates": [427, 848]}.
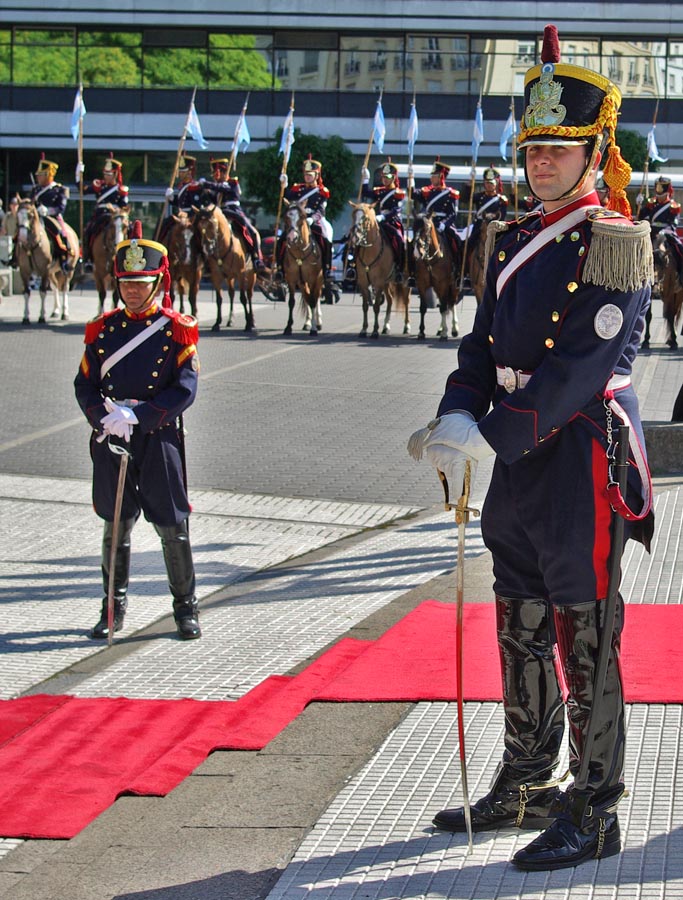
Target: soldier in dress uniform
{"type": "Point", "coordinates": [137, 376]}
{"type": "Point", "coordinates": [442, 202]}
{"type": "Point", "coordinates": [315, 195]}
{"type": "Point", "coordinates": [226, 192]}
{"type": "Point", "coordinates": [50, 199]}
{"type": "Point", "coordinates": [388, 199]}
{"type": "Point", "coordinates": [491, 202]}
{"type": "Point", "coordinates": [109, 189]}
{"type": "Point", "coordinates": [661, 211]}
{"type": "Point", "coordinates": [543, 382]}
{"type": "Point", "coordinates": [185, 197]}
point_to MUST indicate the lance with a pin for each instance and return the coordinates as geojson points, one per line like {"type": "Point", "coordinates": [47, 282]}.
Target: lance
{"type": "Point", "coordinates": [283, 171]}
{"type": "Point", "coordinates": [181, 145]}
{"type": "Point", "coordinates": [410, 215]}
{"type": "Point", "coordinates": [618, 523]}
{"type": "Point", "coordinates": [462, 512]}
{"type": "Point", "coordinates": [238, 128]}
{"type": "Point", "coordinates": [473, 176]}
{"type": "Point", "coordinates": [515, 186]}
{"type": "Point", "coordinates": [80, 162]}
{"type": "Point", "coordinates": [646, 165]}
{"type": "Point", "coordinates": [118, 502]}
{"type": "Point", "coordinates": [369, 149]}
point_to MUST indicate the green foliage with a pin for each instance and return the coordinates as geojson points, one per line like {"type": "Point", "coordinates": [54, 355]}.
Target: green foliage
{"type": "Point", "coordinates": [260, 171]}
{"type": "Point", "coordinates": [633, 148]}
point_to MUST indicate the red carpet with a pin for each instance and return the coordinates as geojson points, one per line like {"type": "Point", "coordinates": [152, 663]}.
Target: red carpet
{"type": "Point", "coordinates": [63, 760]}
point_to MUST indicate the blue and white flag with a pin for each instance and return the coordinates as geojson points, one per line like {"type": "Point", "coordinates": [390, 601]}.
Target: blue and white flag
{"type": "Point", "coordinates": [194, 128]}
{"type": "Point", "coordinates": [509, 131]}
{"type": "Point", "coordinates": [413, 131]}
{"type": "Point", "coordinates": [242, 137]}
{"type": "Point", "coordinates": [478, 135]}
{"type": "Point", "coordinates": [379, 129]}
{"type": "Point", "coordinates": [77, 114]}
{"type": "Point", "coordinates": [652, 150]}
{"type": "Point", "coordinates": [287, 138]}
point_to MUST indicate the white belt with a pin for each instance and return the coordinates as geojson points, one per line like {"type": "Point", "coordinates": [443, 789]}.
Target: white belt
{"type": "Point", "coordinates": [512, 379]}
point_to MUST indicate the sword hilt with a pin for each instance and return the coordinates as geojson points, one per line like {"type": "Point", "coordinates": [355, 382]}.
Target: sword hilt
{"type": "Point", "coordinates": [462, 510]}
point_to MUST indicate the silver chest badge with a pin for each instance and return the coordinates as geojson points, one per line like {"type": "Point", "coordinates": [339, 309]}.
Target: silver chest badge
{"type": "Point", "coordinates": [608, 321]}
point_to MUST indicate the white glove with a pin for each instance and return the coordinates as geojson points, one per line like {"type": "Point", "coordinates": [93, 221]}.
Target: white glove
{"type": "Point", "coordinates": [452, 463]}
{"type": "Point", "coordinates": [119, 420]}
{"type": "Point", "coordinates": [202, 181]}
{"type": "Point", "coordinates": [639, 199]}
{"type": "Point", "coordinates": [380, 218]}
{"type": "Point", "coordinates": [460, 431]}
{"type": "Point", "coordinates": [284, 181]}
{"type": "Point", "coordinates": [80, 169]}
{"type": "Point", "coordinates": [365, 174]}
{"type": "Point", "coordinates": [441, 226]}
{"type": "Point", "coordinates": [42, 210]}
{"type": "Point", "coordinates": [169, 193]}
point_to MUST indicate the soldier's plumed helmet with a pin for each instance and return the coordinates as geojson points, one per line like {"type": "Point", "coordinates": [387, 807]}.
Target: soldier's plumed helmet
{"type": "Point", "coordinates": [570, 105]}
{"type": "Point", "coordinates": [222, 163]}
{"type": "Point", "coordinates": [137, 259]}
{"type": "Point", "coordinates": [440, 168]}
{"type": "Point", "coordinates": [312, 165]}
{"type": "Point", "coordinates": [46, 167]}
{"type": "Point", "coordinates": [388, 170]}
{"type": "Point", "coordinates": [112, 166]}
{"type": "Point", "coordinates": [187, 163]}
{"type": "Point", "coordinates": [491, 175]}
{"type": "Point", "coordinates": [663, 186]}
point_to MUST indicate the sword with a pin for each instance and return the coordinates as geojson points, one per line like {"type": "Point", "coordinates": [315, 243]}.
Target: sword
{"type": "Point", "coordinates": [118, 502]}
{"type": "Point", "coordinates": [462, 516]}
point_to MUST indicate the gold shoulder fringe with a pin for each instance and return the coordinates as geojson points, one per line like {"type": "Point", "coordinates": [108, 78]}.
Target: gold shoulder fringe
{"type": "Point", "coordinates": [620, 255]}
{"type": "Point", "coordinates": [493, 231]}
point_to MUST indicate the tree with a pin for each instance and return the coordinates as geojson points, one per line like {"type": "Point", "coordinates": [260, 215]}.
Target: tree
{"type": "Point", "coordinates": [633, 148]}
{"type": "Point", "coordinates": [262, 170]}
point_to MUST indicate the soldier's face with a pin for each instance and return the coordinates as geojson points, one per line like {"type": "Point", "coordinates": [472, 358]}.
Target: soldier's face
{"type": "Point", "coordinates": [435, 179]}
{"type": "Point", "coordinates": [553, 170]}
{"type": "Point", "coordinates": [490, 187]}
{"type": "Point", "coordinates": [310, 176]}
{"type": "Point", "coordinates": [109, 177]}
{"type": "Point", "coordinates": [137, 295]}
{"type": "Point", "coordinates": [43, 177]}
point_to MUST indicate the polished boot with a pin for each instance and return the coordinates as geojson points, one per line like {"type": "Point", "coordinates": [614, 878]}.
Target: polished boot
{"type": "Point", "coordinates": [586, 826]}
{"type": "Point", "coordinates": [522, 793]}
{"type": "Point", "coordinates": [175, 543]}
{"type": "Point", "coordinates": [121, 571]}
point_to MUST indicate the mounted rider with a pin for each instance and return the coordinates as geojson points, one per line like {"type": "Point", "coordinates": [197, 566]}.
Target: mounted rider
{"type": "Point", "coordinates": [388, 199]}
{"type": "Point", "coordinates": [50, 199]}
{"type": "Point", "coordinates": [490, 203]}
{"type": "Point", "coordinates": [313, 193]}
{"type": "Point", "coordinates": [108, 190]}
{"type": "Point", "coordinates": [185, 197]}
{"type": "Point", "coordinates": [441, 202]}
{"type": "Point", "coordinates": [226, 192]}
{"type": "Point", "coordinates": [662, 212]}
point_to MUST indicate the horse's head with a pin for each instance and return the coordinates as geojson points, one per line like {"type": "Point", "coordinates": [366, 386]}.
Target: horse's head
{"type": "Point", "coordinates": [297, 230]}
{"type": "Point", "coordinates": [363, 224]}
{"type": "Point", "coordinates": [28, 221]}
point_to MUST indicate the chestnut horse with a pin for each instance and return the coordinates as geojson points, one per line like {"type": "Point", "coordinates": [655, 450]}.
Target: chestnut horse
{"type": "Point", "coordinates": [35, 256]}
{"type": "Point", "coordinates": [476, 259]}
{"type": "Point", "coordinates": [185, 262]}
{"type": "Point", "coordinates": [438, 269]}
{"type": "Point", "coordinates": [378, 278]}
{"type": "Point", "coordinates": [668, 259]}
{"type": "Point", "coordinates": [224, 257]}
{"type": "Point", "coordinates": [114, 230]}
{"type": "Point", "coordinates": [302, 264]}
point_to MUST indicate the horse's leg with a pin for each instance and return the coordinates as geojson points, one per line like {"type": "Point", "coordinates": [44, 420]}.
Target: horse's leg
{"type": "Point", "coordinates": [365, 292]}
{"type": "Point", "coordinates": [43, 296]}
{"type": "Point", "coordinates": [306, 301]}
{"type": "Point", "coordinates": [646, 337]}
{"type": "Point", "coordinates": [377, 298]}
{"type": "Point", "coordinates": [443, 330]}
{"type": "Point", "coordinates": [290, 320]}
{"type": "Point", "coordinates": [389, 296]}
{"type": "Point", "coordinates": [219, 310]}
{"type": "Point", "coordinates": [231, 295]}
{"type": "Point", "coordinates": [671, 341]}
{"type": "Point", "coordinates": [318, 315]}
{"type": "Point", "coordinates": [245, 306]}
{"type": "Point", "coordinates": [27, 293]}
{"type": "Point", "coordinates": [65, 301]}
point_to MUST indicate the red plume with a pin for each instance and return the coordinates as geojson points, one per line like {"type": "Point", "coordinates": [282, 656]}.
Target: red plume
{"type": "Point", "coordinates": [551, 45]}
{"type": "Point", "coordinates": [136, 230]}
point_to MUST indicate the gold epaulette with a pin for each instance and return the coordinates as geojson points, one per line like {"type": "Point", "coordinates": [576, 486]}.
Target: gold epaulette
{"type": "Point", "coordinates": [495, 228]}
{"type": "Point", "coordinates": [620, 254]}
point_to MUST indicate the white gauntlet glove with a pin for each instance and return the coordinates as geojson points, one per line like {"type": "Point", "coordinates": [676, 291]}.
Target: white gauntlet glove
{"type": "Point", "coordinates": [284, 181]}
{"type": "Point", "coordinates": [42, 210]}
{"type": "Point", "coordinates": [169, 193]}
{"type": "Point", "coordinates": [448, 442]}
{"type": "Point", "coordinates": [119, 420]}
{"type": "Point", "coordinates": [365, 175]}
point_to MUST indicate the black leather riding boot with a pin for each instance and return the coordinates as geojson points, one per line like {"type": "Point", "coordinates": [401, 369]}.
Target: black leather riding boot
{"type": "Point", "coordinates": [534, 724]}
{"type": "Point", "coordinates": [121, 572]}
{"type": "Point", "coordinates": [175, 542]}
{"type": "Point", "coordinates": [586, 826]}
{"type": "Point", "coordinates": [327, 259]}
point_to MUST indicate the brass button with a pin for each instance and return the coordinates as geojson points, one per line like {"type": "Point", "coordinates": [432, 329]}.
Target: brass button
{"type": "Point", "coordinates": [101, 334]}
{"type": "Point", "coordinates": [159, 362]}
{"type": "Point", "coordinates": [559, 238]}
{"type": "Point", "coordinates": [150, 387]}
{"type": "Point", "coordinates": [101, 350]}
{"type": "Point", "coordinates": [540, 439]}
{"type": "Point", "coordinates": [524, 452]}
{"type": "Point", "coordinates": [555, 316]}
{"type": "Point", "coordinates": [155, 374]}
{"type": "Point", "coordinates": [124, 324]}
{"type": "Point", "coordinates": [490, 339]}
{"type": "Point", "coordinates": [574, 236]}
{"type": "Point", "coordinates": [549, 342]}
{"type": "Point", "coordinates": [148, 323]}
{"type": "Point", "coordinates": [501, 255]}
{"type": "Point", "coordinates": [169, 334]}
{"type": "Point", "coordinates": [572, 286]}
{"type": "Point", "coordinates": [165, 348]}
{"type": "Point", "coordinates": [554, 429]}
{"type": "Point", "coordinates": [582, 250]}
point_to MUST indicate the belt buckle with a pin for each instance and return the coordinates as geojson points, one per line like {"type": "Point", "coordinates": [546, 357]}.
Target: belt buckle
{"type": "Point", "coordinates": [509, 379]}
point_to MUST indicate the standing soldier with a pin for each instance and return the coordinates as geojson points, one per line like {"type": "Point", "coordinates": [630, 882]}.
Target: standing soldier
{"type": "Point", "coordinates": [441, 201]}
{"type": "Point", "coordinates": [388, 199]}
{"type": "Point", "coordinates": [108, 190]}
{"type": "Point", "coordinates": [314, 195]}
{"type": "Point", "coordinates": [50, 199]}
{"type": "Point", "coordinates": [226, 192]}
{"type": "Point", "coordinates": [543, 383]}
{"type": "Point", "coordinates": [137, 376]}
{"type": "Point", "coordinates": [184, 198]}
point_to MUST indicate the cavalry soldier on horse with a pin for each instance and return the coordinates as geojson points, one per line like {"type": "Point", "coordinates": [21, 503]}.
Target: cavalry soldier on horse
{"type": "Point", "coordinates": [388, 199]}
{"type": "Point", "coordinates": [491, 202]}
{"type": "Point", "coordinates": [50, 199]}
{"type": "Point", "coordinates": [109, 191]}
{"type": "Point", "coordinates": [441, 202]}
{"type": "Point", "coordinates": [313, 193]}
{"type": "Point", "coordinates": [661, 211]}
{"type": "Point", "coordinates": [184, 198]}
{"type": "Point", "coordinates": [226, 192]}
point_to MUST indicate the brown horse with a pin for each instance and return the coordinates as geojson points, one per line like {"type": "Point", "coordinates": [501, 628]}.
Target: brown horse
{"type": "Point", "coordinates": [669, 276]}
{"type": "Point", "coordinates": [438, 270]}
{"type": "Point", "coordinates": [378, 278]}
{"type": "Point", "coordinates": [476, 259]}
{"type": "Point", "coordinates": [114, 230]}
{"type": "Point", "coordinates": [184, 261]}
{"type": "Point", "coordinates": [303, 268]}
{"type": "Point", "coordinates": [35, 256]}
{"type": "Point", "coordinates": [225, 260]}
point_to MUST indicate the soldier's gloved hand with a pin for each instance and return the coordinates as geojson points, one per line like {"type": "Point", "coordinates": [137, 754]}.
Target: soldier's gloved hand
{"type": "Point", "coordinates": [639, 199]}
{"type": "Point", "coordinates": [365, 174]}
{"type": "Point", "coordinates": [97, 183]}
{"type": "Point", "coordinates": [284, 181]}
{"type": "Point", "coordinates": [379, 218]}
{"type": "Point", "coordinates": [119, 420]}
{"type": "Point", "coordinates": [459, 431]}
{"type": "Point", "coordinates": [452, 463]}
{"type": "Point", "coordinates": [169, 193]}
{"type": "Point", "coordinates": [42, 210]}
{"type": "Point", "coordinates": [80, 169]}
{"type": "Point", "coordinates": [441, 226]}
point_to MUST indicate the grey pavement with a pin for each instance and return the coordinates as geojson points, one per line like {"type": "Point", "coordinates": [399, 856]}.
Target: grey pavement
{"type": "Point", "coordinates": [310, 524]}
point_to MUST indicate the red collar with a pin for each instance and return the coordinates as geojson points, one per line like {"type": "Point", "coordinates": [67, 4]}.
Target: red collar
{"type": "Point", "coordinates": [550, 218]}
{"type": "Point", "coordinates": [145, 314]}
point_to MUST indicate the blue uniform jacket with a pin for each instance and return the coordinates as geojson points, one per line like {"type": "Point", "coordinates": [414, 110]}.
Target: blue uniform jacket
{"type": "Point", "coordinates": [54, 197]}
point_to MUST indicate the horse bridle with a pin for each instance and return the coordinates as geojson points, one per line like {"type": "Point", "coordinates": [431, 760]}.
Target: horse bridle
{"type": "Point", "coordinates": [210, 245]}
{"type": "Point", "coordinates": [361, 228]}
{"type": "Point", "coordinates": [308, 248]}
{"type": "Point", "coordinates": [431, 246]}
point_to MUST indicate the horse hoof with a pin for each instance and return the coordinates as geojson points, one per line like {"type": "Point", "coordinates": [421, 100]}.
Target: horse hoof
{"type": "Point", "coordinates": [375, 335]}
{"type": "Point", "coordinates": [455, 332]}
{"type": "Point", "coordinates": [363, 333]}
{"type": "Point", "coordinates": [26, 321]}
{"type": "Point", "coordinates": [406, 330]}
{"type": "Point", "coordinates": [215, 327]}
{"type": "Point", "coordinates": [288, 330]}
{"type": "Point", "coordinates": [672, 344]}
{"type": "Point", "coordinates": [54, 314]}
{"type": "Point", "coordinates": [421, 336]}
{"type": "Point", "coordinates": [65, 318]}
{"type": "Point", "coordinates": [41, 320]}
{"type": "Point", "coordinates": [645, 345]}
{"type": "Point", "coordinates": [443, 336]}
